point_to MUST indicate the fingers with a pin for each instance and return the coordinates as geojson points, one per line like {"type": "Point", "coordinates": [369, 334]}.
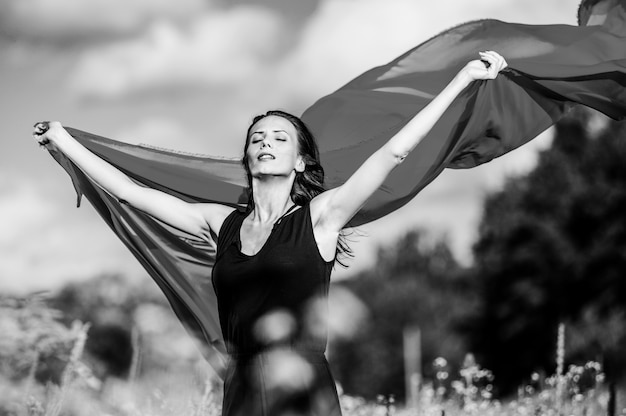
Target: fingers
{"type": "Point", "coordinates": [493, 61]}
{"type": "Point", "coordinates": [40, 129]}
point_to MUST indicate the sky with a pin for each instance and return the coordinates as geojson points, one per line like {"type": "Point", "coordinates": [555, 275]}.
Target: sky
{"type": "Point", "coordinates": [190, 75]}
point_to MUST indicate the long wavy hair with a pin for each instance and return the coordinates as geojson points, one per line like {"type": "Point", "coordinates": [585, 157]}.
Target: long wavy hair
{"type": "Point", "coordinates": [308, 183]}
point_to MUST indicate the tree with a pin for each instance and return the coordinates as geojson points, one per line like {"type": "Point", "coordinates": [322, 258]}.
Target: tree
{"type": "Point", "coordinates": [413, 283]}
{"type": "Point", "coordinates": [552, 248]}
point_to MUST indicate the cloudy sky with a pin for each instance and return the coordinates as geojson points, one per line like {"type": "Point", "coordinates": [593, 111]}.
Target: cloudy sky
{"type": "Point", "coordinates": [189, 75]}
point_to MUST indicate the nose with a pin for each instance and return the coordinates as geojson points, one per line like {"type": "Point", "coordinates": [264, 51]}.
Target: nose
{"type": "Point", "coordinates": [265, 143]}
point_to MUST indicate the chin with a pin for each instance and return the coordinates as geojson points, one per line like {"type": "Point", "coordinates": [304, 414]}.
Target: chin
{"type": "Point", "coordinates": [268, 172]}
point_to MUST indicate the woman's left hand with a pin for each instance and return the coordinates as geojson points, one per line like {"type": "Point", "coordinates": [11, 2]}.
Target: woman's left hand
{"type": "Point", "coordinates": [487, 67]}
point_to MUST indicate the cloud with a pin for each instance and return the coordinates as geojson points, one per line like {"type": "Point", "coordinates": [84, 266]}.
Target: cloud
{"type": "Point", "coordinates": [42, 246]}
{"type": "Point", "coordinates": [220, 48]}
{"type": "Point", "coordinates": [22, 211]}
{"type": "Point", "coordinates": [240, 50]}
{"type": "Point", "coordinates": [342, 39]}
{"type": "Point", "coordinates": [77, 21]}
{"type": "Point", "coordinates": [346, 38]}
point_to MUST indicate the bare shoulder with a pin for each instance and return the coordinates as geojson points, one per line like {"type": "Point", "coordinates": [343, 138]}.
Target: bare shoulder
{"type": "Point", "coordinates": [214, 214]}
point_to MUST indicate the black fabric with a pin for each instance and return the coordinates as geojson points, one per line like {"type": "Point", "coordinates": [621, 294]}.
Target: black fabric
{"type": "Point", "coordinates": [273, 310]}
{"type": "Point", "coordinates": [252, 388]}
{"type": "Point", "coordinates": [287, 275]}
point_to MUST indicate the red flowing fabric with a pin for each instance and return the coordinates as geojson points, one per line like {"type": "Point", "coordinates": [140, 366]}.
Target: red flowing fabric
{"type": "Point", "coordinates": [551, 69]}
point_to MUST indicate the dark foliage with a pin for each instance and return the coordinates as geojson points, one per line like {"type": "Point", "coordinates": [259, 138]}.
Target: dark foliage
{"type": "Point", "coordinates": [413, 284]}
{"type": "Point", "coordinates": [552, 248]}
{"type": "Point", "coordinates": [108, 304]}
{"type": "Point", "coordinates": [34, 341]}
{"type": "Point", "coordinates": [111, 344]}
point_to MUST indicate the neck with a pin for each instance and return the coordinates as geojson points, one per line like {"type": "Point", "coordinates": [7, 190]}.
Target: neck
{"type": "Point", "coordinates": [272, 197]}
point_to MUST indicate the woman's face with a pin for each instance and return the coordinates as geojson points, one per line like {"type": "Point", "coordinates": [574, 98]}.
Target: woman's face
{"type": "Point", "coordinates": [273, 148]}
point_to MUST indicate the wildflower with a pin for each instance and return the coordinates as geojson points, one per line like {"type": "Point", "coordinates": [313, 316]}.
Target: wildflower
{"type": "Point", "coordinates": [458, 386]}
{"type": "Point", "coordinates": [440, 362]}
{"type": "Point", "coordinates": [593, 365]}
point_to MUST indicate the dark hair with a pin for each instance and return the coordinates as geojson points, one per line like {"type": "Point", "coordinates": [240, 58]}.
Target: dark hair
{"type": "Point", "coordinates": [308, 183]}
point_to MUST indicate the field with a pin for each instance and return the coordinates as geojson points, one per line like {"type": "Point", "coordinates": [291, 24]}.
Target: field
{"type": "Point", "coordinates": [44, 371]}
{"type": "Point", "coordinates": [579, 392]}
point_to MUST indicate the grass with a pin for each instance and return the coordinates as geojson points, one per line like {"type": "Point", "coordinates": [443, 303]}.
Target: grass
{"type": "Point", "coordinates": [165, 393]}
{"type": "Point", "coordinates": [192, 388]}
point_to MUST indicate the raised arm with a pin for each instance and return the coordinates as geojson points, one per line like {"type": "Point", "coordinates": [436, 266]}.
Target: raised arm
{"type": "Point", "coordinates": [197, 219]}
{"type": "Point", "coordinates": [334, 208]}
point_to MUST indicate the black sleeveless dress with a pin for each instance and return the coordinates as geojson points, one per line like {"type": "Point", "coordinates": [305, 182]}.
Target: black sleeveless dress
{"type": "Point", "coordinates": [273, 309]}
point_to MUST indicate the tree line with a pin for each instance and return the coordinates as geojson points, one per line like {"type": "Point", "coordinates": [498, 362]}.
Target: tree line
{"type": "Point", "coordinates": [551, 249]}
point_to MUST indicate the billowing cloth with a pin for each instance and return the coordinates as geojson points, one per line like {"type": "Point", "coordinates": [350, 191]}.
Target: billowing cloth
{"type": "Point", "coordinates": [551, 69]}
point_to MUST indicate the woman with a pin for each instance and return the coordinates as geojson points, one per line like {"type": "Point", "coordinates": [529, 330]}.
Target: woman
{"type": "Point", "coordinates": [274, 259]}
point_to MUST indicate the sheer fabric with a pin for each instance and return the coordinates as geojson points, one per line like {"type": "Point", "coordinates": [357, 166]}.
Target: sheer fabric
{"type": "Point", "coordinates": [551, 69]}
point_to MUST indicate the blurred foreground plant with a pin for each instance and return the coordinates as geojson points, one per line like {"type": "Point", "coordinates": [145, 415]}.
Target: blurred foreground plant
{"type": "Point", "coordinates": [471, 393]}
{"type": "Point", "coordinates": [36, 350]}
{"type": "Point", "coordinates": [34, 344]}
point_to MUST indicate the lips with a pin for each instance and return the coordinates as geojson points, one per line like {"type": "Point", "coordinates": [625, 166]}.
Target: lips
{"type": "Point", "coordinates": [265, 156]}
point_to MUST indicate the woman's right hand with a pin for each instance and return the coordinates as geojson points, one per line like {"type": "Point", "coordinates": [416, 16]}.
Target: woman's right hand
{"type": "Point", "coordinates": [197, 219]}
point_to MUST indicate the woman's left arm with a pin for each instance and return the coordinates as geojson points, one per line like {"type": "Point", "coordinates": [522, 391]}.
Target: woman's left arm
{"type": "Point", "coordinates": [337, 206]}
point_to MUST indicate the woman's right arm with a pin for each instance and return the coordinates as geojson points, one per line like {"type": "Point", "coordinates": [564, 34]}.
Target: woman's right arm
{"type": "Point", "coordinates": [197, 219]}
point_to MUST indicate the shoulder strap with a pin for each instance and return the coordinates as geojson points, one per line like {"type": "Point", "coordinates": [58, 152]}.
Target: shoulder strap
{"type": "Point", "coordinates": [229, 230]}
{"type": "Point", "coordinates": [291, 208]}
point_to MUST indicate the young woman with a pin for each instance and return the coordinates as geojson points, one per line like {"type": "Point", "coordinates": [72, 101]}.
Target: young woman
{"type": "Point", "coordinates": [274, 259]}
